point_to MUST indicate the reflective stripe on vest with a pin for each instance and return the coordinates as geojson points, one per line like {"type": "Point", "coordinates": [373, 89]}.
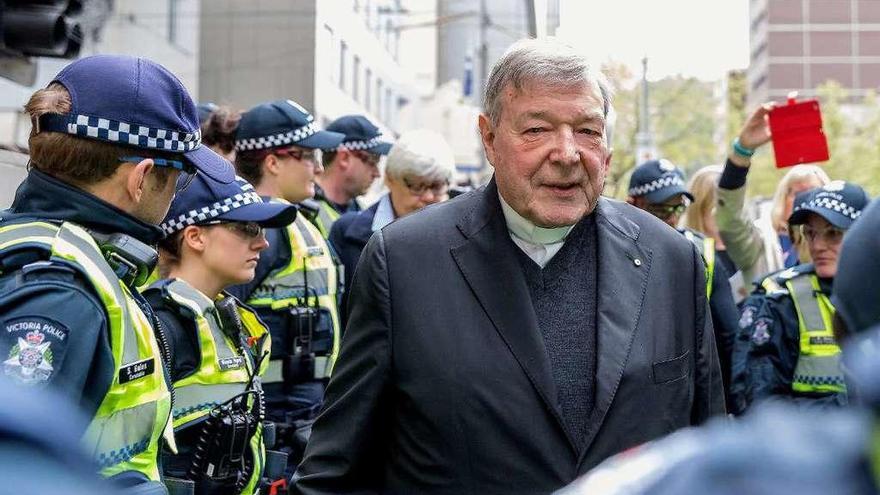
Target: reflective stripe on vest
{"type": "Point", "coordinates": [211, 384]}
{"type": "Point", "coordinates": [706, 248]}
{"type": "Point", "coordinates": [285, 287]}
{"type": "Point", "coordinates": [325, 218]}
{"type": "Point", "coordinates": [818, 367]}
{"type": "Point", "coordinates": [124, 434]}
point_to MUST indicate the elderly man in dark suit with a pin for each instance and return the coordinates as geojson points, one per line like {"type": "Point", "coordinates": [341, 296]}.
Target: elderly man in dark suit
{"type": "Point", "coordinates": [509, 340]}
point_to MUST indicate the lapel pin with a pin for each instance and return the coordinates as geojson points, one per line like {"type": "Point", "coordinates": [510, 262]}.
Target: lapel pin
{"type": "Point", "coordinates": [637, 262]}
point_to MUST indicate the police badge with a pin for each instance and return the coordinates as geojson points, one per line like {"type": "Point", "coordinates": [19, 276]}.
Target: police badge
{"type": "Point", "coordinates": [761, 334]}
{"type": "Point", "coordinates": [30, 360]}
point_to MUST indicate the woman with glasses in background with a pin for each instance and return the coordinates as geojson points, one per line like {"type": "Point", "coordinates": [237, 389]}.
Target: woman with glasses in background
{"type": "Point", "coordinates": [418, 170]}
{"type": "Point", "coordinates": [218, 348]}
{"type": "Point", "coordinates": [785, 346]}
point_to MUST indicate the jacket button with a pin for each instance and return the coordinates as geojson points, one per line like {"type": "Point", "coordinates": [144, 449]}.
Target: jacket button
{"type": "Point", "coordinates": [637, 262]}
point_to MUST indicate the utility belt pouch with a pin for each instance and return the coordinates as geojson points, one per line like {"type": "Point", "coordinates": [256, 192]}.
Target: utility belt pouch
{"type": "Point", "coordinates": [276, 462]}
{"type": "Point", "coordinates": [177, 486]}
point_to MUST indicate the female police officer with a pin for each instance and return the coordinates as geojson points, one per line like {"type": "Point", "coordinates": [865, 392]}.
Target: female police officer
{"type": "Point", "coordinates": [213, 239]}
{"type": "Point", "coordinates": [785, 345]}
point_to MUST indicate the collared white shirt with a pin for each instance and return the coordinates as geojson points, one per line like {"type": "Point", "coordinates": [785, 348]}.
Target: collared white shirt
{"type": "Point", "coordinates": [539, 243]}
{"type": "Point", "coordinates": [384, 213]}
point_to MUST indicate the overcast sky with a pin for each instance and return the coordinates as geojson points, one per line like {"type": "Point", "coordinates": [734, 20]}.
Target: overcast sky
{"type": "Point", "coordinates": [700, 38]}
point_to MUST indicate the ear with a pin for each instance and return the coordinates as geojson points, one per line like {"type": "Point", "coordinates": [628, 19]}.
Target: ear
{"type": "Point", "coordinates": [607, 164]}
{"type": "Point", "coordinates": [194, 238]}
{"type": "Point", "coordinates": [271, 165]}
{"type": "Point", "coordinates": [343, 158]}
{"type": "Point", "coordinates": [487, 134]}
{"type": "Point", "coordinates": [135, 184]}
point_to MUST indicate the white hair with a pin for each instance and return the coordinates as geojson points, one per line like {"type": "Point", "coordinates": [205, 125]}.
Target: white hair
{"type": "Point", "coordinates": [421, 153]}
{"type": "Point", "coordinates": [546, 60]}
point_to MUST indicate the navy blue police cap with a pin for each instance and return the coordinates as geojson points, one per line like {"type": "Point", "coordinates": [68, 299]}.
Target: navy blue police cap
{"type": "Point", "coordinates": [360, 134]}
{"type": "Point", "coordinates": [838, 202]}
{"type": "Point", "coordinates": [657, 181]}
{"type": "Point", "coordinates": [134, 102]}
{"type": "Point", "coordinates": [856, 294]}
{"type": "Point", "coordinates": [206, 200]}
{"type": "Point", "coordinates": [205, 111]}
{"type": "Point", "coordinates": [282, 123]}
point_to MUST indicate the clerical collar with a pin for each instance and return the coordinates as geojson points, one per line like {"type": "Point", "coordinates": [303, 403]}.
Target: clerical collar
{"type": "Point", "coordinates": [524, 229]}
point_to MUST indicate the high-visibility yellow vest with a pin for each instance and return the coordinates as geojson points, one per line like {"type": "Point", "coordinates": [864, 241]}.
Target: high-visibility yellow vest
{"type": "Point", "coordinates": [327, 214]}
{"type": "Point", "coordinates": [224, 370]}
{"type": "Point", "coordinates": [310, 261]}
{"type": "Point", "coordinates": [706, 247]}
{"type": "Point", "coordinates": [818, 366]}
{"type": "Point", "coordinates": [125, 431]}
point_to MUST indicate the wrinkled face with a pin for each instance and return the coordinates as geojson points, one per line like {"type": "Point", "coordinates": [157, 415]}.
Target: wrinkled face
{"type": "Point", "coordinates": [231, 251]}
{"type": "Point", "coordinates": [824, 241]}
{"type": "Point", "coordinates": [549, 151]}
{"type": "Point", "coordinates": [362, 171]}
{"type": "Point", "coordinates": [297, 171]}
{"type": "Point", "coordinates": [410, 194]}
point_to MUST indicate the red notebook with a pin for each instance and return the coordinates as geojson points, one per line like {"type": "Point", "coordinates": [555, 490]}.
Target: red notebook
{"type": "Point", "coordinates": [797, 133]}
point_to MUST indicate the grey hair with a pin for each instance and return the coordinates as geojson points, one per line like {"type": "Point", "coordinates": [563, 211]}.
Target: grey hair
{"type": "Point", "coordinates": [420, 153]}
{"type": "Point", "coordinates": [547, 60]}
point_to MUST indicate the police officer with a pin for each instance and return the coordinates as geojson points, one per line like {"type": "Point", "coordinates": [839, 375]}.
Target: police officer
{"type": "Point", "coordinates": [219, 348]}
{"type": "Point", "coordinates": [349, 169]}
{"type": "Point", "coordinates": [296, 283]}
{"type": "Point", "coordinates": [785, 345]}
{"type": "Point", "coordinates": [778, 448]}
{"type": "Point", "coordinates": [658, 187]}
{"type": "Point", "coordinates": [112, 138]}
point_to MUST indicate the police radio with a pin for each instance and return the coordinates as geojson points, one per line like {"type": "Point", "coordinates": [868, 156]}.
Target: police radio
{"type": "Point", "coordinates": [131, 260]}
{"type": "Point", "coordinates": [310, 331]}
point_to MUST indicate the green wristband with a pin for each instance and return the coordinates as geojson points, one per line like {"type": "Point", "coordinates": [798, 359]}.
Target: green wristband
{"type": "Point", "coordinates": [742, 150]}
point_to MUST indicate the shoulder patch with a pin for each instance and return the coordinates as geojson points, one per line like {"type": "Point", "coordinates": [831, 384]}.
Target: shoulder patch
{"type": "Point", "coordinates": [761, 333]}
{"type": "Point", "coordinates": [35, 348]}
{"type": "Point", "coordinates": [747, 317]}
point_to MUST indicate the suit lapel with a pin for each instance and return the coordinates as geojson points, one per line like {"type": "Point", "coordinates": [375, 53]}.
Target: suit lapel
{"type": "Point", "coordinates": [623, 274]}
{"type": "Point", "coordinates": [490, 267]}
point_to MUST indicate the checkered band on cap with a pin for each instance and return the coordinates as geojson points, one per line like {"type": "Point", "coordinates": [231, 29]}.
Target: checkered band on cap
{"type": "Point", "coordinates": [276, 140]}
{"type": "Point", "coordinates": [361, 145]}
{"type": "Point", "coordinates": [132, 134]}
{"type": "Point", "coordinates": [667, 180]}
{"type": "Point", "coordinates": [832, 204]}
{"type": "Point", "coordinates": [207, 213]}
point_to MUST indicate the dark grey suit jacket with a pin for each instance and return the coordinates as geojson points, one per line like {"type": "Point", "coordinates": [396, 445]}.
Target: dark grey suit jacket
{"type": "Point", "coordinates": [443, 385]}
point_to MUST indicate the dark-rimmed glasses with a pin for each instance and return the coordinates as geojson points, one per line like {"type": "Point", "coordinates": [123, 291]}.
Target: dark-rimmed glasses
{"type": "Point", "coordinates": [419, 188]}
{"type": "Point", "coordinates": [248, 230]}
{"type": "Point", "coordinates": [299, 154]}
{"type": "Point", "coordinates": [665, 211]}
{"type": "Point", "coordinates": [370, 159]}
{"type": "Point", "coordinates": [187, 170]}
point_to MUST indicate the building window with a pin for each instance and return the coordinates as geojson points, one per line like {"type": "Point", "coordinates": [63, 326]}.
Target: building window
{"type": "Point", "coordinates": [388, 115]}
{"type": "Point", "coordinates": [368, 82]}
{"type": "Point", "coordinates": [380, 110]}
{"type": "Point", "coordinates": [355, 72]}
{"type": "Point", "coordinates": [331, 67]}
{"type": "Point", "coordinates": [343, 53]}
{"type": "Point", "coordinates": [172, 21]}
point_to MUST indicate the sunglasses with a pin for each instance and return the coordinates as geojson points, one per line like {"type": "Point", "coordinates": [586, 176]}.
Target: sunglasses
{"type": "Point", "coordinates": [248, 230]}
{"type": "Point", "coordinates": [187, 170]}
{"type": "Point", "coordinates": [665, 211]}
{"type": "Point", "coordinates": [299, 154]}
{"type": "Point", "coordinates": [419, 188]}
{"type": "Point", "coordinates": [830, 233]}
{"type": "Point", "coordinates": [370, 159]}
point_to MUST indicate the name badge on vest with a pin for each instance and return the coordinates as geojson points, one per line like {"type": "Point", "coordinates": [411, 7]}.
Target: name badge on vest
{"type": "Point", "coordinates": [231, 363]}
{"type": "Point", "coordinates": [137, 370]}
{"type": "Point", "coordinates": [314, 251]}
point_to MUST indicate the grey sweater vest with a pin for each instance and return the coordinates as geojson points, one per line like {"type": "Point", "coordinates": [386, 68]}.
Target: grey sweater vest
{"type": "Point", "coordinates": [564, 298]}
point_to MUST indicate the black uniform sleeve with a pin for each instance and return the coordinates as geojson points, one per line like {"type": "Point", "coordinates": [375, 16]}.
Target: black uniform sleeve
{"type": "Point", "coordinates": [55, 334]}
{"type": "Point", "coordinates": [765, 351]}
{"type": "Point", "coordinates": [181, 334]}
{"type": "Point", "coordinates": [724, 318]}
{"type": "Point", "coordinates": [350, 435]}
{"type": "Point", "coordinates": [708, 386]}
{"type": "Point", "coordinates": [275, 256]}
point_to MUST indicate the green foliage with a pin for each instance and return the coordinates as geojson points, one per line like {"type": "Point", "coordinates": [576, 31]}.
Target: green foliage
{"type": "Point", "coordinates": [683, 120]}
